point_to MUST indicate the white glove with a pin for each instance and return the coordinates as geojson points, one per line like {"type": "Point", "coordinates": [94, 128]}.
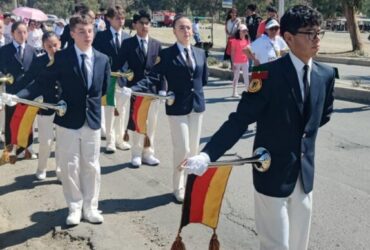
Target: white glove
{"type": "Point", "coordinates": [198, 164]}
{"type": "Point", "coordinates": [8, 99]}
{"type": "Point", "coordinates": [126, 91]}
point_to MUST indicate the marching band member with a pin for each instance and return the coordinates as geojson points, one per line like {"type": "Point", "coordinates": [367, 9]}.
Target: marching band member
{"type": "Point", "coordinates": [83, 74]}
{"type": "Point", "coordinates": [45, 118]}
{"type": "Point", "coordinates": [16, 58]}
{"type": "Point", "coordinates": [140, 53]}
{"type": "Point", "coordinates": [185, 69]}
{"type": "Point", "coordinates": [289, 99]}
{"type": "Point", "coordinates": [109, 43]}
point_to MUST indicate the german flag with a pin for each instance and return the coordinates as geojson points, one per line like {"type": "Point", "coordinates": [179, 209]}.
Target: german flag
{"type": "Point", "coordinates": [109, 98]}
{"type": "Point", "coordinates": [21, 125]}
{"type": "Point", "coordinates": [203, 200]}
{"type": "Point", "coordinates": [139, 108]}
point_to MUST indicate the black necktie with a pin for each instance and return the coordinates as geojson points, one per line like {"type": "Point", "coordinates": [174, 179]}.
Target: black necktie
{"type": "Point", "coordinates": [83, 68]}
{"type": "Point", "coordinates": [20, 52]}
{"type": "Point", "coordinates": [188, 60]}
{"type": "Point", "coordinates": [118, 45]}
{"type": "Point", "coordinates": [142, 47]}
{"type": "Point", "coordinates": [306, 93]}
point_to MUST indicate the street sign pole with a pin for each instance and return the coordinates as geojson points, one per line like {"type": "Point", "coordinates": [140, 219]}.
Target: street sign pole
{"type": "Point", "coordinates": [281, 8]}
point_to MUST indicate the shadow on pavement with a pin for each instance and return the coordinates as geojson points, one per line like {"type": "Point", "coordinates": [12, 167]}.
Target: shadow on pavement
{"type": "Point", "coordinates": [352, 110]}
{"type": "Point", "coordinates": [114, 168]}
{"type": "Point", "coordinates": [44, 222]}
{"type": "Point", "coordinates": [111, 206]}
{"type": "Point", "coordinates": [27, 182]}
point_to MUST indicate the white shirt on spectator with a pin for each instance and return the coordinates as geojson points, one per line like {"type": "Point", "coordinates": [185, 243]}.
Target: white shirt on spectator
{"type": "Point", "coordinates": [267, 50]}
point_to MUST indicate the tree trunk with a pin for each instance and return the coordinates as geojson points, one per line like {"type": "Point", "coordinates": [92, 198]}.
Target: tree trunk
{"type": "Point", "coordinates": [354, 31]}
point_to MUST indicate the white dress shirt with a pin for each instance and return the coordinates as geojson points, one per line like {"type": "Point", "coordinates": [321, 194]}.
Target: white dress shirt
{"type": "Point", "coordinates": [183, 54]}
{"type": "Point", "coordinates": [89, 63]}
{"type": "Point", "coordinates": [146, 40]}
{"type": "Point", "coordinates": [298, 65]}
{"type": "Point", "coordinates": [113, 31]}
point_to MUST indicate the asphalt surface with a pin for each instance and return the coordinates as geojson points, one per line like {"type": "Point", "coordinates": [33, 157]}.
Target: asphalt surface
{"type": "Point", "coordinates": [140, 212]}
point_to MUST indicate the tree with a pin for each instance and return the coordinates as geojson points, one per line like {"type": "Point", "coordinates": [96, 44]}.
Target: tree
{"type": "Point", "coordinates": [350, 8]}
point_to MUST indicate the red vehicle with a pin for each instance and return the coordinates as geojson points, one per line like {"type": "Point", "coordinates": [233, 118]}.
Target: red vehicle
{"type": "Point", "coordinates": [163, 18]}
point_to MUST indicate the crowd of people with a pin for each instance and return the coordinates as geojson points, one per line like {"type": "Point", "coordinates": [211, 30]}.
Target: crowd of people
{"type": "Point", "coordinates": [289, 98]}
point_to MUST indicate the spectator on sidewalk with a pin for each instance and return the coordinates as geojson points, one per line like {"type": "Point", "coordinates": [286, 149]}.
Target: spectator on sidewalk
{"type": "Point", "coordinates": [231, 27]}
{"type": "Point", "coordinates": [271, 13]}
{"type": "Point", "coordinates": [252, 21]}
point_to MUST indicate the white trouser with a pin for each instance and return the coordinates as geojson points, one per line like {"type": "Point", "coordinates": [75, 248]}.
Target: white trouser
{"type": "Point", "coordinates": [245, 69]}
{"type": "Point", "coordinates": [138, 139]}
{"type": "Point", "coordinates": [78, 157]}
{"type": "Point", "coordinates": [185, 133]}
{"type": "Point", "coordinates": [120, 123]}
{"type": "Point", "coordinates": [102, 122]}
{"type": "Point", "coordinates": [283, 223]}
{"type": "Point", "coordinates": [46, 138]}
{"type": "Point", "coordinates": [115, 125]}
{"type": "Point", "coordinates": [109, 125]}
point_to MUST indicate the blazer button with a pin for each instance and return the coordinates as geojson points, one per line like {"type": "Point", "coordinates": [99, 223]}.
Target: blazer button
{"type": "Point", "coordinates": [304, 135]}
{"type": "Point", "coordinates": [192, 89]}
{"type": "Point", "coordinates": [56, 86]}
{"type": "Point", "coordinates": [87, 109]}
{"type": "Point", "coordinates": [87, 96]}
{"type": "Point", "coordinates": [302, 154]}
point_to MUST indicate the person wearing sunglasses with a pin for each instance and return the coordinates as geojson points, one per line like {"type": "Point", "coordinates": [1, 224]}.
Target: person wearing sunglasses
{"type": "Point", "coordinates": [291, 98]}
{"type": "Point", "coordinates": [270, 46]}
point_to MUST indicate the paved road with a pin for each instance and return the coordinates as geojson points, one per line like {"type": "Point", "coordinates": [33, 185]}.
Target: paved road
{"type": "Point", "coordinates": [140, 212]}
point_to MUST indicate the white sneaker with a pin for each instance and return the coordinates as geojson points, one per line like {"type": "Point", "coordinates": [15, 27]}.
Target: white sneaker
{"type": "Point", "coordinates": [136, 161]}
{"type": "Point", "coordinates": [93, 216]}
{"type": "Point", "coordinates": [179, 195]}
{"type": "Point", "coordinates": [110, 148]}
{"type": "Point", "coordinates": [41, 174]}
{"type": "Point", "coordinates": [123, 145]}
{"type": "Point", "coordinates": [74, 218]}
{"type": "Point", "coordinates": [150, 160]}
{"type": "Point", "coordinates": [22, 154]}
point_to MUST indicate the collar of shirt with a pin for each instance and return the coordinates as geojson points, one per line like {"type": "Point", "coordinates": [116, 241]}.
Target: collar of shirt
{"type": "Point", "coordinates": [182, 51]}
{"type": "Point", "coordinates": [2, 40]}
{"type": "Point", "coordinates": [88, 53]}
{"type": "Point", "coordinates": [298, 65]}
{"type": "Point", "coordinates": [16, 45]}
{"type": "Point", "coordinates": [146, 39]}
{"type": "Point", "coordinates": [114, 33]}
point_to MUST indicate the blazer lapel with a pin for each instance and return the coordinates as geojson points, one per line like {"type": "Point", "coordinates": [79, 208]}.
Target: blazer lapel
{"type": "Point", "coordinates": [76, 65]}
{"type": "Point", "coordinates": [292, 78]}
{"type": "Point", "coordinates": [181, 59]}
{"type": "Point", "coordinates": [27, 58]}
{"type": "Point", "coordinates": [138, 51]}
{"type": "Point", "coordinates": [196, 59]}
{"type": "Point", "coordinates": [96, 66]}
{"type": "Point", "coordinates": [315, 87]}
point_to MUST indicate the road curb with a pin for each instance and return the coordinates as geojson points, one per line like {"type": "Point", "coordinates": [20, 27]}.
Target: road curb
{"type": "Point", "coordinates": [342, 91]}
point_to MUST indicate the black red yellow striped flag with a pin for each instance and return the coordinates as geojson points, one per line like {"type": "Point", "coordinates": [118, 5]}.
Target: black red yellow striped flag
{"type": "Point", "coordinates": [139, 108]}
{"type": "Point", "coordinates": [21, 125]}
{"type": "Point", "coordinates": [203, 200]}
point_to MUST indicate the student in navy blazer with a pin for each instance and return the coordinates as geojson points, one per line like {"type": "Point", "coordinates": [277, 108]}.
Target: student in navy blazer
{"type": "Point", "coordinates": [140, 53]}
{"type": "Point", "coordinates": [51, 44]}
{"type": "Point", "coordinates": [184, 68]}
{"type": "Point", "coordinates": [289, 103]}
{"type": "Point", "coordinates": [109, 43]}
{"type": "Point", "coordinates": [15, 59]}
{"type": "Point", "coordinates": [83, 74]}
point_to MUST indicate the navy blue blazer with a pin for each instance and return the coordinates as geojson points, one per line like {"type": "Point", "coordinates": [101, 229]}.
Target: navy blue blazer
{"type": "Point", "coordinates": [281, 129]}
{"type": "Point", "coordinates": [83, 105]}
{"type": "Point", "coordinates": [12, 64]}
{"type": "Point", "coordinates": [186, 85]}
{"type": "Point", "coordinates": [104, 42]}
{"type": "Point", "coordinates": [35, 71]}
{"type": "Point", "coordinates": [130, 53]}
